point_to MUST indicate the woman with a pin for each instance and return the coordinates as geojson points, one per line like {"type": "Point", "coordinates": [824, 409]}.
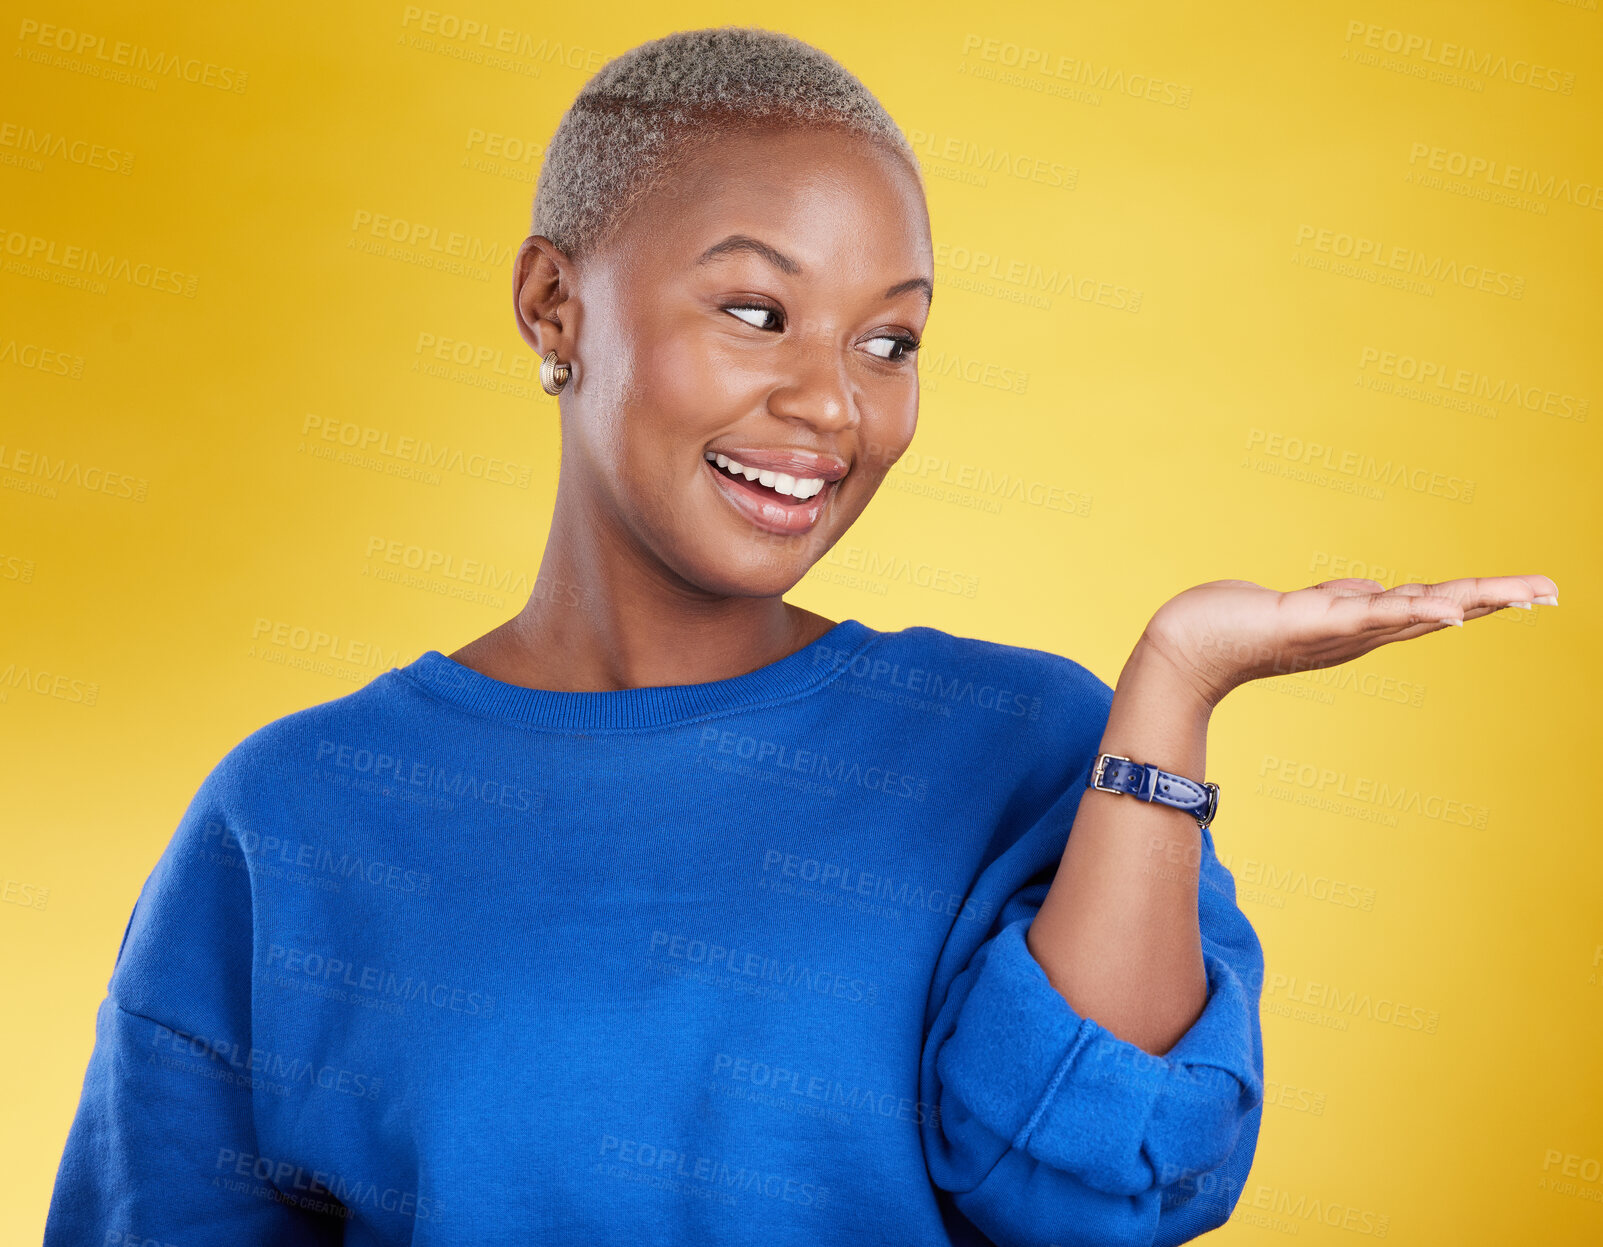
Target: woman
{"type": "Point", "coordinates": [668, 911]}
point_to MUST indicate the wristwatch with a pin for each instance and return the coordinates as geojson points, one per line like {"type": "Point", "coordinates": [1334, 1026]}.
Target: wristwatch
{"type": "Point", "coordinates": [1113, 773]}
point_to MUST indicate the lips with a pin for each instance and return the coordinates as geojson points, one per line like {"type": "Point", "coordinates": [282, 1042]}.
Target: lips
{"type": "Point", "coordinates": [800, 463]}
{"type": "Point", "coordinates": [767, 509]}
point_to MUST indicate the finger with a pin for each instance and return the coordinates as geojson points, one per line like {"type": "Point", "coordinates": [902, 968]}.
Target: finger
{"type": "Point", "coordinates": [1474, 593]}
{"type": "Point", "coordinates": [1366, 612]}
{"type": "Point", "coordinates": [1411, 610]}
{"type": "Point", "coordinates": [1375, 640]}
{"type": "Point", "coordinates": [1350, 586]}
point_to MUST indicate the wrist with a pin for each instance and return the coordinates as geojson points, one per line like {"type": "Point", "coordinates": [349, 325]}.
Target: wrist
{"type": "Point", "coordinates": [1157, 717]}
{"type": "Point", "coordinates": [1153, 674]}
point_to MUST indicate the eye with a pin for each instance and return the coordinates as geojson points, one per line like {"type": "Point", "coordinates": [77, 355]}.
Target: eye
{"type": "Point", "coordinates": [761, 309]}
{"type": "Point", "coordinates": [907, 346]}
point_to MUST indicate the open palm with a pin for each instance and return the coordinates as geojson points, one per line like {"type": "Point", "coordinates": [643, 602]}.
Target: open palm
{"type": "Point", "coordinates": [1223, 633]}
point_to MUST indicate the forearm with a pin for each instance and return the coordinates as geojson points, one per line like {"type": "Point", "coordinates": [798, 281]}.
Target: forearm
{"type": "Point", "coordinates": [1118, 934]}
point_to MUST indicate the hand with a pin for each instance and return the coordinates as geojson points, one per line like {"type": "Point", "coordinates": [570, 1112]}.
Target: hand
{"type": "Point", "coordinates": [1221, 634]}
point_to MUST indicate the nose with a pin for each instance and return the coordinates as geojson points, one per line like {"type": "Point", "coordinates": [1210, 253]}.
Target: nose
{"type": "Point", "coordinates": [814, 387]}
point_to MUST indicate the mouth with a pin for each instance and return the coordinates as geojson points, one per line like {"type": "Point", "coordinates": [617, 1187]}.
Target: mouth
{"type": "Point", "coordinates": [770, 507]}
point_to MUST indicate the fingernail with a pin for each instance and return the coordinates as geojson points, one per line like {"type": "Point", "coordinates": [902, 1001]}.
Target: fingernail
{"type": "Point", "coordinates": [1457, 623]}
{"type": "Point", "coordinates": [1524, 606]}
{"type": "Point", "coordinates": [1547, 599]}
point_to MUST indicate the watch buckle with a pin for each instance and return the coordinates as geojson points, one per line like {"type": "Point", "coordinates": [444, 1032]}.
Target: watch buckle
{"type": "Point", "coordinates": [1101, 765]}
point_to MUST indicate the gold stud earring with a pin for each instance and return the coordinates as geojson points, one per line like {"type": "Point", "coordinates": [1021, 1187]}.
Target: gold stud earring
{"type": "Point", "coordinates": [553, 376]}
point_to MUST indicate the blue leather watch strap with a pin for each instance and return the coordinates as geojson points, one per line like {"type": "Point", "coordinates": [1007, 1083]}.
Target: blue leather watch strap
{"type": "Point", "coordinates": [1114, 773]}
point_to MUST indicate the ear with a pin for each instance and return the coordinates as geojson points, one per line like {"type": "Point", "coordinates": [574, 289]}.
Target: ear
{"type": "Point", "coordinates": [541, 290]}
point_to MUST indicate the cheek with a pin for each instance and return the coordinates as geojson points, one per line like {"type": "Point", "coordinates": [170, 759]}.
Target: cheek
{"type": "Point", "coordinates": [673, 407]}
{"type": "Point", "coordinates": [693, 377]}
{"type": "Point", "coordinates": [887, 435]}
{"type": "Point", "coordinates": [672, 379]}
{"type": "Point", "coordinates": [687, 394]}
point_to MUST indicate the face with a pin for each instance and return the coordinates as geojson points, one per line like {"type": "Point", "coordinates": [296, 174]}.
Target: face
{"type": "Point", "coordinates": [764, 306]}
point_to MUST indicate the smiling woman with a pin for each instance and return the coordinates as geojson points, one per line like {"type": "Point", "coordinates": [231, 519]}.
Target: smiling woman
{"type": "Point", "coordinates": [668, 911]}
{"type": "Point", "coordinates": [732, 257]}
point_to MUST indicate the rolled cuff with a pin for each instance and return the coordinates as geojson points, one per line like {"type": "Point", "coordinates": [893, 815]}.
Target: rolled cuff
{"type": "Point", "coordinates": [1034, 1073]}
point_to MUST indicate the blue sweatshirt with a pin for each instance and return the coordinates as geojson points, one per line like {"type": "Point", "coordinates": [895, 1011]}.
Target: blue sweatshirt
{"type": "Point", "coordinates": [447, 960]}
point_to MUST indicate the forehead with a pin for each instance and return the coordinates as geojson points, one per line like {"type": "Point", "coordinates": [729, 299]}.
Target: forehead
{"type": "Point", "coordinates": [836, 203]}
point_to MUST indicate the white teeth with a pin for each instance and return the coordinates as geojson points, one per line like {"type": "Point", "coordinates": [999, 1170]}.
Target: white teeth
{"type": "Point", "coordinates": [799, 487]}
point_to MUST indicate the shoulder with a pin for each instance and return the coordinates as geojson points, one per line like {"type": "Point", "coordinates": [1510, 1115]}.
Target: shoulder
{"type": "Point", "coordinates": [1037, 672]}
{"type": "Point", "coordinates": [203, 880]}
{"type": "Point", "coordinates": [277, 755]}
{"type": "Point", "coordinates": [1019, 726]}
{"type": "Point", "coordinates": [1025, 700]}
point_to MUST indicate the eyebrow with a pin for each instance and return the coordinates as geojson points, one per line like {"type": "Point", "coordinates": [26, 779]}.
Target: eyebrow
{"type": "Point", "coordinates": [781, 261]}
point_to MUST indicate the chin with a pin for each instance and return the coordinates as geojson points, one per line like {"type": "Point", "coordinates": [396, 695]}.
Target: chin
{"type": "Point", "coordinates": [729, 579]}
{"type": "Point", "coordinates": [747, 565]}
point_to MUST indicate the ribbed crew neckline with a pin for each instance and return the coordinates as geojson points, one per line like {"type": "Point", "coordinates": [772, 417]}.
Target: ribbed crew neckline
{"type": "Point", "coordinates": [652, 706]}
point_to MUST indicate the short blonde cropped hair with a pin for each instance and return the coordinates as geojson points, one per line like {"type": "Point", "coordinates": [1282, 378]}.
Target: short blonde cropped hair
{"type": "Point", "coordinates": [651, 104]}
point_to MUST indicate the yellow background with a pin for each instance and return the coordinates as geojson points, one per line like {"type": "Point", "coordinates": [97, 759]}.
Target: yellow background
{"type": "Point", "coordinates": [211, 561]}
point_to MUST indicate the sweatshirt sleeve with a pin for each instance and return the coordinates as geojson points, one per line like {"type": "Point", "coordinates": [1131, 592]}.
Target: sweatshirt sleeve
{"type": "Point", "coordinates": [163, 1145]}
{"type": "Point", "coordinates": [1047, 1128]}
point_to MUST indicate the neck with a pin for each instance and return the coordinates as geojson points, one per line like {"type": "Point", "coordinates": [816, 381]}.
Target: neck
{"type": "Point", "coordinates": [603, 616]}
